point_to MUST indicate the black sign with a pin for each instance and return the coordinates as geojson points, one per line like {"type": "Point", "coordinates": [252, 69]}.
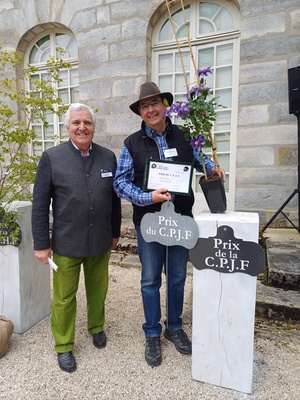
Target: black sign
{"type": "Point", "coordinates": [225, 253]}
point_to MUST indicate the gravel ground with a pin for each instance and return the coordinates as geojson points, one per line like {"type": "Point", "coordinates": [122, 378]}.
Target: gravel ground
{"type": "Point", "coordinates": [29, 370]}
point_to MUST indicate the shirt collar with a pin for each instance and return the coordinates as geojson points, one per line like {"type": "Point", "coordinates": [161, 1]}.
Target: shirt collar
{"type": "Point", "coordinates": [151, 133]}
{"type": "Point", "coordinates": [88, 152]}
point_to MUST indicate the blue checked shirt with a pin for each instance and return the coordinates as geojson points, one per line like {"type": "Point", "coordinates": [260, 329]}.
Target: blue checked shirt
{"type": "Point", "coordinates": [124, 177]}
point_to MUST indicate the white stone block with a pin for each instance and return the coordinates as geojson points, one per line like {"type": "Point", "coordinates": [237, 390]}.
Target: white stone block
{"type": "Point", "coordinates": [24, 281]}
{"type": "Point", "coordinates": [224, 312]}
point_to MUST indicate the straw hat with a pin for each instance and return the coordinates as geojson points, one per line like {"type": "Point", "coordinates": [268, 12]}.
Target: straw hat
{"type": "Point", "coordinates": [150, 89]}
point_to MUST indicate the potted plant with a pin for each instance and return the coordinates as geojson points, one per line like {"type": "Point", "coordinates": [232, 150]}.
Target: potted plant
{"type": "Point", "coordinates": [198, 113]}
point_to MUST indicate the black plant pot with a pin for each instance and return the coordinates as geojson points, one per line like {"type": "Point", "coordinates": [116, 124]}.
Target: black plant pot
{"type": "Point", "coordinates": [214, 193]}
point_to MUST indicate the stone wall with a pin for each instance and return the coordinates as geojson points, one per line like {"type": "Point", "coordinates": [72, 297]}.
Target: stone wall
{"type": "Point", "coordinates": [113, 38]}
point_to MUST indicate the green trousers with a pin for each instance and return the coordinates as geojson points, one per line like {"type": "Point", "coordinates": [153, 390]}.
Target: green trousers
{"type": "Point", "coordinates": [65, 286]}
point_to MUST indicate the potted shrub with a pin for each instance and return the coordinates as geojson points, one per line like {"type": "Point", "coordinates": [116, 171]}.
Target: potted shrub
{"type": "Point", "coordinates": [198, 115]}
{"type": "Point", "coordinates": [197, 111]}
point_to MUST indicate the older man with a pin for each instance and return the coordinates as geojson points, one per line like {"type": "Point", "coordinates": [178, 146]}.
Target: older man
{"type": "Point", "coordinates": [77, 178]}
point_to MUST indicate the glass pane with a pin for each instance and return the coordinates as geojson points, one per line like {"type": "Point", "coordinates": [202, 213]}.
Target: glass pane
{"type": "Point", "coordinates": [166, 32]}
{"type": "Point", "coordinates": [223, 121]}
{"type": "Point", "coordinates": [75, 95]}
{"type": "Point", "coordinates": [224, 97]}
{"type": "Point", "coordinates": [224, 20]}
{"type": "Point", "coordinates": [178, 17]}
{"type": "Point", "coordinates": [49, 132]}
{"type": "Point", "coordinates": [181, 32]}
{"type": "Point", "coordinates": [205, 27]}
{"type": "Point", "coordinates": [226, 183]}
{"type": "Point", "coordinates": [224, 54]}
{"type": "Point", "coordinates": [224, 77]}
{"type": "Point", "coordinates": [208, 10]}
{"type": "Point", "coordinates": [224, 161]}
{"type": "Point", "coordinates": [38, 131]}
{"type": "Point", "coordinates": [222, 141]}
{"type": "Point", "coordinates": [45, 55]}
{"type": "Point", "coordinates": [206, 58]}
{"type": "Point", "coordinates": [62, 39]}
{"type": "Point", "coordinates": [48, 145]}
{"type": "Point", "coordinates": [34, 55]}
{"type": "Point", "coordinates": [49, 117]}
{"type": "Point", "coordinates": [209, 81]}
{"type": "Point", "coordinates": [33, 79]}
{"type": "Point", "coordinates": [63, 131]}
{"type": "Point", "coordinates": [64, 75]}
{"type": "Point", "coordinates": [74, 76]}
{"type": "Point", "coordinates": [165, 63]}
{"type": "Point", "coordinates": [37, 149]}
{"type": "Point", "coordinates": [185, 58]}
{"type": "Point", "coordinates": [165, 83]}
{"type": "Point", "coordinates": [180, 85]}
{"type": "Point", "coordinates": [64, 95]}
{"type": "Point", "coordinates": [44, 43]}
{"type": "Point", "coordinates": [61, 118]}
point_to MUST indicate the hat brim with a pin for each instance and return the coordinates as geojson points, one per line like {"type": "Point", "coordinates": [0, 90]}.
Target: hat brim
{"type": "Point", "coordinates": [167, 95]}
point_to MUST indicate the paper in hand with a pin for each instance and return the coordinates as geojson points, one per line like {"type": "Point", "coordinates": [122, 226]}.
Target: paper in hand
{"type": "Point", "coordinates": [52, 264]}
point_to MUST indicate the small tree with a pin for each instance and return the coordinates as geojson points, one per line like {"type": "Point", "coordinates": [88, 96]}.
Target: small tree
{"type": "Point", "coordinates": [19, 110]}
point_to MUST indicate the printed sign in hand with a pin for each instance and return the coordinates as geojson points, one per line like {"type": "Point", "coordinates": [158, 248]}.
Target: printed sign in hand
{"type": "Point", "coordinates": [225, 253]}
{"type": "Point", "coordinates": [169, 228]}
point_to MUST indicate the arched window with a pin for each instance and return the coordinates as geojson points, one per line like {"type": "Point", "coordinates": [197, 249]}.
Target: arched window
{"type": "Point", "coordinates": [60, 45]}
{"type": "Point", "coordinates": [214, 34]}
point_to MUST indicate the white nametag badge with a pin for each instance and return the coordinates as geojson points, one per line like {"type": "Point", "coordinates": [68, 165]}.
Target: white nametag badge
{"type": "Point", "coordinates": [106, 173]}
{"type": "Point", "coordinates": [170, 153]}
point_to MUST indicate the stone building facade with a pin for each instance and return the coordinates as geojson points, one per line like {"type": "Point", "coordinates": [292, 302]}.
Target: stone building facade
{"type": "Point", "coordinates": [114, 39]}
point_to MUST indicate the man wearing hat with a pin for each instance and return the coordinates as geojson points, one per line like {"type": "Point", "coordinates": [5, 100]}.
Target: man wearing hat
{"type": "Point", "coordinates": [158, 138]}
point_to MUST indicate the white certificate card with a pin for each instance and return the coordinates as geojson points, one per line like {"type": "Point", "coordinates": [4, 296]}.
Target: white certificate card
{"type": "Point", "coordinates": [176, 177]}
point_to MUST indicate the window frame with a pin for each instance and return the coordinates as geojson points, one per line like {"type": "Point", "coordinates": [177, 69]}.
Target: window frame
{"type": "Point", "coordinates": [202, 41]}
{"type": "Point", "coordinates": [59, 134]}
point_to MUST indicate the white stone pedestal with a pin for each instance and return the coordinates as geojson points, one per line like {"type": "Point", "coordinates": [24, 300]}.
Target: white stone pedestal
{"type": "Point", "coordinates": [24, 281]}
{"type": "Point", "coordinates": [224, 312]}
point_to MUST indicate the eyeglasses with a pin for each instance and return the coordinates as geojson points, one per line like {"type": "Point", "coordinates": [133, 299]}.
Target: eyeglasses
{"type": "Point", "coordinates": [154, 103]}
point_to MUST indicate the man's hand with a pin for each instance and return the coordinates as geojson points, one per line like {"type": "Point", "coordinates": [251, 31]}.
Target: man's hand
{"type": "Point", "coordinates": [160, 195]}
{"type": "Point", "coordinates": [42, 255]}
{"type": "Point", "coordinates": [219, 171]}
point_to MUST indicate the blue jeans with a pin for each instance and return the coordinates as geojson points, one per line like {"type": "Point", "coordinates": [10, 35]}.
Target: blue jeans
{"type": "Point", "coordinates": [154, 256]}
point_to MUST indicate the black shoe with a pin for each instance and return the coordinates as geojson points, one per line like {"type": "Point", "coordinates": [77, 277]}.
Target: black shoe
{"type": "Point", "coordinates": [66, 361]}
{"type": "Point", "coordinates": [180, 340]}
{"type": "Point", "coordinates": [153, 351]}
{"type": "Point", "coordinates": [99, 339]}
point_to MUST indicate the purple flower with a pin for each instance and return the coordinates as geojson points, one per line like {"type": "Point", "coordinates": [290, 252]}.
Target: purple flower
{"type": "Point", "coordinates": [204, 71]}
{"type": "Point", "coordinates": [181, 109]}
{"type": "Point", "coordinates": [197, 142]}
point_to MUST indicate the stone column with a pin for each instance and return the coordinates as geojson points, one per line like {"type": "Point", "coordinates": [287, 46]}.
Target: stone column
{"type": "Point", "coordinates": [224, 303]}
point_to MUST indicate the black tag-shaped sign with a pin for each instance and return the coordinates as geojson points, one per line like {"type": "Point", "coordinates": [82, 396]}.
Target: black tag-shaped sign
{"type": "Point", "coordinates": [225, 253]}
